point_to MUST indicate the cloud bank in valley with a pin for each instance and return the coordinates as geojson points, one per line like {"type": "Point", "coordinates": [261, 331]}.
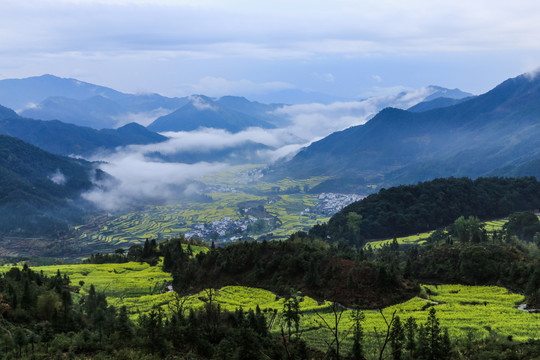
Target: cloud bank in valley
{"type": "Point", "coordinates": [136, 180]}
{"type": "Point", "coordinates": [140, 176]}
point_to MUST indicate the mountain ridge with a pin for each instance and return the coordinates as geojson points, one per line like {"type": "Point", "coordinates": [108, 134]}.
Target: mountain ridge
{"type": "Point", "coordinates": [69, 139]}
{"type": "Point", "coordinates": [203, 112]}
{"type": "Point", "coordinates": [500, 123]}
{"type": "Point", "coordinates": [39, 190]}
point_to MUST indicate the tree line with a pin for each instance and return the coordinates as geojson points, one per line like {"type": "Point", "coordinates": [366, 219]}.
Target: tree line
{"type": "Point", "coordinates": [411, 209]}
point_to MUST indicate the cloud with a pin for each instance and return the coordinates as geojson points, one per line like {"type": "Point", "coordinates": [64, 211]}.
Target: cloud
{"type": "Point", "coordinates": [293, 30]}
{"type": "Point", "coordinates": [139, 180]}
{"type": "Point", "coordinates": [328, 77]}
{"type": "Point", "coordinates": [532, 75]}
{"type": "Point", "coordinates": [313, 121]}
{"type": "Point", "coordinates": [204, 140]}
{"type": "Point", "coordinates": [235, 47]}
{"type": "Point", "coordinates": [377, 78]}
{"type": "Point", "coordinates": [201, 105]}
{"type": "Point", "coordinates": [58, 177]}
{"type": "Point", "coordinates": [285, 152]}
{"type": "Point", "coordinates": [140, 177]}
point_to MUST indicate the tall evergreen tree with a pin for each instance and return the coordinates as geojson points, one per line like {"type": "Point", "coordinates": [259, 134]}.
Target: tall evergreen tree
{"type": "Point", "coordinates": [397, 339]}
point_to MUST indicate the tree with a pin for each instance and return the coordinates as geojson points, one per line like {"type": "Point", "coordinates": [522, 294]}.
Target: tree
{"type": "Point", "coordinates": [124, 327]}
{"type": "Point", "coordinates": [433, 332]}
{"type": "Point", "coordinates": [469, 229]}
{"type": "Point", "coordinates": [358, 317]}
{"type": "Point", "coordinates": [386, 338]}
{"type": "Point", "coordinates": [397, 338]}
{"type": "Point", "coordinates": [410, 331]}
{"type": "Point", "coordinates": [20, 339]}
{"type": "Point", "coordinates": [48, 304]}
{"type": "Point", "coordinates": [337, 312]}
{"type": "Point", "coordinates": [291, 316]}
{"type": "Point", "coordinates": [522, 224]}
{"type": "Point", "coordinates": [4, 306]}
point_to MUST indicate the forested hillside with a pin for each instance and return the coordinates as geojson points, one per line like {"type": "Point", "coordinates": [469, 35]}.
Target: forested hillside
{"type": "Point", "coordinates": [38, 189]}
{"type": "Point", "coordinates": [493, 131]}
{"type": "Point", "coordinates": [410, 209]}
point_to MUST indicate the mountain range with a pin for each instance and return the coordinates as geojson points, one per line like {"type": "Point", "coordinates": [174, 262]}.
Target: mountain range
{"type": "Point", "coordinates": [494, 133]}
{"type": "Point", "coordinates": [48, 97]}
{"type": "Point", "coordinates": [230, 113]}
{"type": "Point", "coordinates": [69, 139]}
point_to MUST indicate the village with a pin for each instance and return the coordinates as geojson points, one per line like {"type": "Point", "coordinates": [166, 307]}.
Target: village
{"type": "Point", "coordinates": [227, 229]}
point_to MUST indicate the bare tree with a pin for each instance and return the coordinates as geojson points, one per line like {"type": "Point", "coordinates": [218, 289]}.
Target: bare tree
{"type": "Point", "coordinates": [177, 304]}
{"type": "Point", "coordinates": [338, 337]}
{"type": "Point", "coordinates": [382, 345]}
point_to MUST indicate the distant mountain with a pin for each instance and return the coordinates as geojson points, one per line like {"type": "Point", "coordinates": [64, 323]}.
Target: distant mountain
{"type": "Point", "coordinates": [473, 138]}
{"type": "Point", "coordinates": [68, 139]}
{"type": "Point", "coordinates": [22, 93]}
{"type": "Point", "coordinates": [528, 168]}
{"type": "Point", "coordinates": [49, 97]}
{"type": "Point", "coordinates": [253, 108]}
{"type": "Point", "coordinates": [38, 189]}
{"type": "Point", "coordinates": [202, 111]}
{"type": "Point", "coordinates": [96, 112]}
{"type": "Point", "coordinates": [439, 92]}
{"type": "Point", "coordinates": [436, 103]}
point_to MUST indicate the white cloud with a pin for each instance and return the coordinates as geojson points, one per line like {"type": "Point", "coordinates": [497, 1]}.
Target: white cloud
{"type": "Point", "coordinates": [58, 177]}
{"type": "Point", "coordinates": [200, 104]}
{"type": "Point", "coordinates": [531, 75]}
{"type": "Point", "coordinates": [312, 121]}
{"type": "Point", "coordinates": [241, 29]}
{"type": "Point", "coordinates": [377, 78]}
{"type": "Point", "coordinates": [137, 179]}
{"type": "Point", "coordinates": [328, 77]}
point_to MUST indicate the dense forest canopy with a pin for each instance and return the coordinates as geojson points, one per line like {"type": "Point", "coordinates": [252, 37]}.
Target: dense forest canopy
{"type": "Point", "coordinates": [411, 209]}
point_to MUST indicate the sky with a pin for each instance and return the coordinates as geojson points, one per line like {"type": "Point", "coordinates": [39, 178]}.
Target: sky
{"type": "Point", "coordinates": [344, 48]}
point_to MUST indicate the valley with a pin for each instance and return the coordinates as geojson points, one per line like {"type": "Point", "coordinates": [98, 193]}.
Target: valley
{"type": "Point", "coordinates": [233, 206]}
{"type": "Point", "coordinates": [235, 232]}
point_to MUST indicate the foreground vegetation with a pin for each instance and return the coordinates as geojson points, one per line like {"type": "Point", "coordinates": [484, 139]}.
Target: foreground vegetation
{"type": "Point", "coordinates": [213, 323]}
{"type": "Point", "coordinates": [456, 296]}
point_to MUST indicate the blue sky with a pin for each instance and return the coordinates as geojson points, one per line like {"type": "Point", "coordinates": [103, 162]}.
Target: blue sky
{"type": "Point", "coordinates": [347, 48]}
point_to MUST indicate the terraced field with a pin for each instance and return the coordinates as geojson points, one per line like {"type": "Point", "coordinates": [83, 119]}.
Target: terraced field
{"type": "Point", "coordinates": [462, 309]}
{"type": "Point", "coordinates": [229, 190]}
{"type": "Point", "coordinates": [418, 239]}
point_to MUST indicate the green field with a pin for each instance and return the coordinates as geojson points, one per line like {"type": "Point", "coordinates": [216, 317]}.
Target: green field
{"type": "Point", "coordinates": [418, 239]}
{"type": "Point", "coordinates": [228, 192]}
{"type": "Point", "coordinates": [462, 309]}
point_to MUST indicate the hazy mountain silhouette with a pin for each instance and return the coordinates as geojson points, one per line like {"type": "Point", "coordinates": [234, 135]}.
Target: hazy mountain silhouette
{"type": "Point", "coordinates": [68, 139]}
{"type": "Point", "coordinates": [497, 129]}
{"type": "Point", "coordinates": [202, 111]}
{"type": "Point", "coordinates": [49, 97]}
